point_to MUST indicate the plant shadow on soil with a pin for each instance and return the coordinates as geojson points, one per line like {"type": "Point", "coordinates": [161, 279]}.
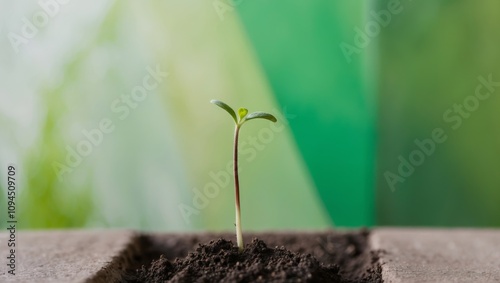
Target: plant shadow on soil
{"type": "Point", "coordinates": [329, 256]}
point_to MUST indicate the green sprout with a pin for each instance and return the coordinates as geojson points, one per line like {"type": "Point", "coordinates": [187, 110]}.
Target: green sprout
{"type": "Point", "coordinates": [239, 120]}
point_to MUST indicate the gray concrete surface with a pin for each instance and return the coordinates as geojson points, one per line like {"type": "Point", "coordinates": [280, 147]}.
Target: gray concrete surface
{"type": "Point", "coordinates": [60, 256]}
{"type": "Point", "coordinates": [440, 255]}
{"type": "Point", "coordinates": [411, 255]}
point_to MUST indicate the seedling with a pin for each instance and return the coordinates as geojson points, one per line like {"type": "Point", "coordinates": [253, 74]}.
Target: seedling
{"type": "Point", "coordinates": [239, 120]}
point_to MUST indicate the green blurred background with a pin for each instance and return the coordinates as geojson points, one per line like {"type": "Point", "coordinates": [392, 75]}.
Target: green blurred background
{"type": "Point", "coordinates": [353, 84]}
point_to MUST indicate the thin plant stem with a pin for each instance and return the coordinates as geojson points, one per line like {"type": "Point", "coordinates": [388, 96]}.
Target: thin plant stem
{"type": "Point", "coordinates": [239, 236]}
{"type": "Point", "coordinates": [239, 119]}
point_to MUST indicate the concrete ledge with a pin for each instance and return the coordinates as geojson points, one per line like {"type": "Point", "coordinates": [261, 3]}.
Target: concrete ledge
{"type": "Point", "coordinates": [410, 255]}
{"type": "Point", "coordinates": [438, 255]}
{"type": "Point", "coordinates": [61, 256]}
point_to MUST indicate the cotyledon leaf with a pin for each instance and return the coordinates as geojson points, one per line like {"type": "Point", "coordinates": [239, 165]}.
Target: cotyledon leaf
{"type": "Point", "coordinates": [225, 107]}
{"type": "Point", "coordinates": [261, 115]}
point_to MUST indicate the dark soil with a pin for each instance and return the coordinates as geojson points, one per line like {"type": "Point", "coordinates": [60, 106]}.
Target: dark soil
{"type": "Point", "coordinates": [278, 257]}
